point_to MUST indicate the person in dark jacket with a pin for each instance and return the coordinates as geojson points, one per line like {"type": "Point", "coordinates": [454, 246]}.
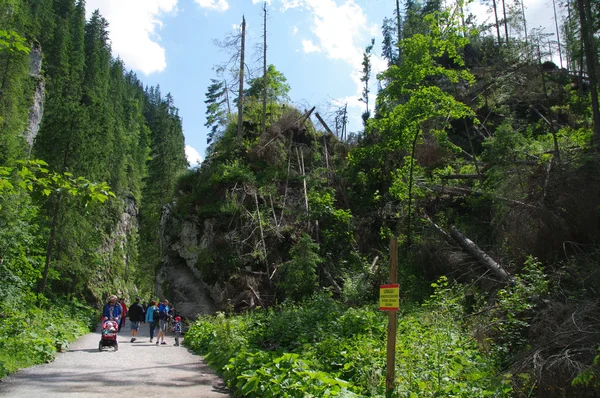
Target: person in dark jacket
{"type": "Point", "coordinates": [136, 316]}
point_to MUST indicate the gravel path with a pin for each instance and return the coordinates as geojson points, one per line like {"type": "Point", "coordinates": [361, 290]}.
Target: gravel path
{"type": "Point", "coordinates": [139, 369]}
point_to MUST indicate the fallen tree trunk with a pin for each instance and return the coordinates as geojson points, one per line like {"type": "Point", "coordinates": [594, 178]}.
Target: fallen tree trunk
{"type": "Point", "coordinates": [470, 247]}
{"type": "Point", "coordinates": [443, 189]}
{"type": "Point", "coordinates": [462, 176]}
{"type": "Point", "coordinates": [480, 255]}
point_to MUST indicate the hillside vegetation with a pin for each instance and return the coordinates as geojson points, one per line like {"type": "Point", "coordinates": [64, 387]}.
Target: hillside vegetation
{"type": "Point", "coordinates": [471, 144]}
{"type": "Point", "coordinates": [479, 154]}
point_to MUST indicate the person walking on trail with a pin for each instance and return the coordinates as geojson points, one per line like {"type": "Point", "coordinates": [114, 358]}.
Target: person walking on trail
{"type": "Point", "coordinates": [177, 329]}
{"type": "Point", "coordinates": [136, 316]}
{"type": "Point", "coordinates": [152, 323]}
{"type": "Point", "coordinates": [123, 312]}
{"type": "Point", "coordinates": [163, 319]}
{"type": "Point", "coordinates": [112, 310]}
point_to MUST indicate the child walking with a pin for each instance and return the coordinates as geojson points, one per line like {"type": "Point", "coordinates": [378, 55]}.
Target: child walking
{"type": "Point", "coordinates": [177, 329]}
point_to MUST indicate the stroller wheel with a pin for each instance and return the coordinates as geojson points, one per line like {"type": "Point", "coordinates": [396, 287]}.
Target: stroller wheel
{"type": "Point", "coordinates": [116, 346]}
{"type": "Point", "coordinates": [100, 346]}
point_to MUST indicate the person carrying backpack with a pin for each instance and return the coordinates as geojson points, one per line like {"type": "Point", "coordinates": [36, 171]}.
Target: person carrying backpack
{"type": "Point", "coordinates": [152, 318]}
{"type": "Point", "coordinates": [163, 321]}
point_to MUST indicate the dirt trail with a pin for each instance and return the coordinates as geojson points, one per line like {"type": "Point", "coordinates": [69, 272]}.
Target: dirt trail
{"type": "Point", "coordinates": [139, 369]}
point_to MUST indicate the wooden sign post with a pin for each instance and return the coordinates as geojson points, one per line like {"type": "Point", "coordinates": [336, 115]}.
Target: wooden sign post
{"type": "Point", "coordinates": [393, 317]}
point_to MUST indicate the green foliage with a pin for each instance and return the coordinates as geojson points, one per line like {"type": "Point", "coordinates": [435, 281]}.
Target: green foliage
{"type": "Point", "coordinates": [300, 277]}
{"type": "Point", "coordinates": [232, 172]}
{"type": "Point", "coordinates": [590, 376]}
{"type": "Point", "coordinates": [277, 87]}
{"type": "Point", "coordinates": [32, 335]}
{"type": "Point", "coordinates": [321, 348]}
{"type": "Point", "coordinates": [515, 303]}
{"type": "Point", "coordinates": [283, 376]}
{"type": "Point", "coordinates": [12, 42]}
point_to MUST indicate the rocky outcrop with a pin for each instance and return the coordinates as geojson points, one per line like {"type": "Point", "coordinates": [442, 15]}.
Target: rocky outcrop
{"type": "Point", "coordinates": [115, 253]}
{"type": "Point", "coordinates": [178, 279]}
{"type": "Point", "coordinates": [37, 109]}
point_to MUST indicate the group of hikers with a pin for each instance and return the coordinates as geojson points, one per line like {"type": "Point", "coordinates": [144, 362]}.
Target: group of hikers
{"type": "Point", "coordinates": [158, 316]}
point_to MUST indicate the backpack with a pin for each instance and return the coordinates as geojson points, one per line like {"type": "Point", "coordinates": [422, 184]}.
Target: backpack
{"type": "Point", "coordinates": [163, 315]}
{"type": "Point", "coordinates": [155, 315]}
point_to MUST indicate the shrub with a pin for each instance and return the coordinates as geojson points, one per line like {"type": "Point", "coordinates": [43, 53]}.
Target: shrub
{"type": "Point", "coordinates": [33, 335]}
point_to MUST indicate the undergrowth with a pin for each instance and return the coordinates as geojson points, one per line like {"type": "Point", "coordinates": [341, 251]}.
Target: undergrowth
{"type": "Point", "coordinates": [33, 334]}
{"type": "Point", "coordinates": [320, 348]}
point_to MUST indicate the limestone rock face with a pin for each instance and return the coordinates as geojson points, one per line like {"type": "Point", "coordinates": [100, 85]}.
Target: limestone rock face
{"type": "Point", "coordinates": [37, 109]}
{"type": "Point", "coordinates": [115, 250]}
{"type": "Point", "coordinates": [178, 279]}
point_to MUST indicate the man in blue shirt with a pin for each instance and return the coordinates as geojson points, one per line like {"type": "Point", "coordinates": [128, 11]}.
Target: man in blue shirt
{"type": "Point", "coordinates": [112, 309]}
{"type": "Point", "coordinates": [163, 321]}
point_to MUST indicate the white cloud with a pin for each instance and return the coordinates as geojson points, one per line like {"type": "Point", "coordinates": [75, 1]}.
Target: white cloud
{"type": "Point", "coordinates": [309, 47]}
{"type": "Point", "coordinates": [341, 31]}
{"type": "Point", "coordinates": [192, 155]}
{"type": "Point", "coordinates": [133, 26]}
{"type": "Point", "coordinates": [218, 5]}
{"type": "Point", "coordinates": [294, 30]}
{"type": "Point", "coordinates": [286, 4]}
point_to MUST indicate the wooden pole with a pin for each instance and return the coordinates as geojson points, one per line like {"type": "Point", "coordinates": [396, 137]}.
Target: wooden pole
{"type": "Point", "coordinates": [392, 323]}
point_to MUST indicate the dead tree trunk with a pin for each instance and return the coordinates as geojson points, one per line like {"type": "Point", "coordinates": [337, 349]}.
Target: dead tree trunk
{"type": "Point", "coordinates": [480, 255]}
{"type": "Point", "coordinates": [587, 40]}
{"type": "Point", "coordinates": [262, 237]}
{"type": "Point", "coordinates": [557, 34]}
{"type": "Point", "coordinates": [505, 21]}
{"type": "Point", "coordinates": [497, 23]}
{"type": "Point", "coordinates": [399, 26]}
{"type": "Point", "coordinates": [241, 89]}
{"type": "Point", "coordinates": [264, 99]}
{"type": "Point", "coordinates": [468, 245]}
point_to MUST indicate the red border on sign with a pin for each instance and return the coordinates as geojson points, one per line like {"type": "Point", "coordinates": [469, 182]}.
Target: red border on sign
{"type": "Point", "coordinates": [388, 308]}
{"type": "Point", "coordinates": [389, 286]}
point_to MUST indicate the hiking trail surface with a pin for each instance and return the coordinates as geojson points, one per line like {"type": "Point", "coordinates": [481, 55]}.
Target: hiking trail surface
{"type": "Point", "coordinates": [139, 369]}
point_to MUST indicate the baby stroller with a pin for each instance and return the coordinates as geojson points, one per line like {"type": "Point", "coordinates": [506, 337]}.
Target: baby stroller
{"type": "Point", "coordinates": [109, 335]}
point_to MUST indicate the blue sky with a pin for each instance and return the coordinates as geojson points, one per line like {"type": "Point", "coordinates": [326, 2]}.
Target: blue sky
{"type": "Point", "coordinates": [317, 44]}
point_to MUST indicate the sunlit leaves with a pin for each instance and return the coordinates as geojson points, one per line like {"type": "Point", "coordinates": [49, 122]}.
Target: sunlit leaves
{"type": "Point", "coordinates": [13, 42]}
{"type": "Point", "coordinates": [33, 176]}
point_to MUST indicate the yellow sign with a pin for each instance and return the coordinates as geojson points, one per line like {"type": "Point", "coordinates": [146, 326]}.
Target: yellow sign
{"type": "Point", "coordinates": [389, 297]}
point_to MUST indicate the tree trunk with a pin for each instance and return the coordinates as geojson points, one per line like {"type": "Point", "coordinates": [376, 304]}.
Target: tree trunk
{"type": "Point", "coordinates": [399, 23]}
{"type": "Point", "coordinates": [480, 255]}
{"type": "Point", "coordinates": [287, 179]}
{"type": "Point", "coordinates": [262, 237]}
{"type": "Point", "coordinates": [525, 24]}
{"type": "Point", "coordinates": [51, 240]}
{"type": "Point", "coordinates": [497, 23]}
{"type": "Point", "coordinates": [557, 34]}
{"type": "Point", "coordinates": [587, 39]}
{"type": "Point", "coordinates": [505, 20]}
{"type": "Point", "coordinates": [410, 189]}
{"type": "Point", "coordinates": [264, 99]}
{"type": "Point", "coordinates": [241, 90]}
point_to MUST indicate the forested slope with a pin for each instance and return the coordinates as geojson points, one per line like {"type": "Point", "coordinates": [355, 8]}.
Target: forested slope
{"type": "Point", "coordinates": [80, 207]}
{"type": "Point", "coordinates": [479, 155]}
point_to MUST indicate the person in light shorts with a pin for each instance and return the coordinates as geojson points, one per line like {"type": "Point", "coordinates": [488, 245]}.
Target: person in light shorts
{"type": "Point", "coordinates": [163, 317]}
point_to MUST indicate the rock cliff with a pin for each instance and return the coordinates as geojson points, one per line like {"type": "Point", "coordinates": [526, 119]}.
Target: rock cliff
{"type": "Point", "coordinates": [178, 279]}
